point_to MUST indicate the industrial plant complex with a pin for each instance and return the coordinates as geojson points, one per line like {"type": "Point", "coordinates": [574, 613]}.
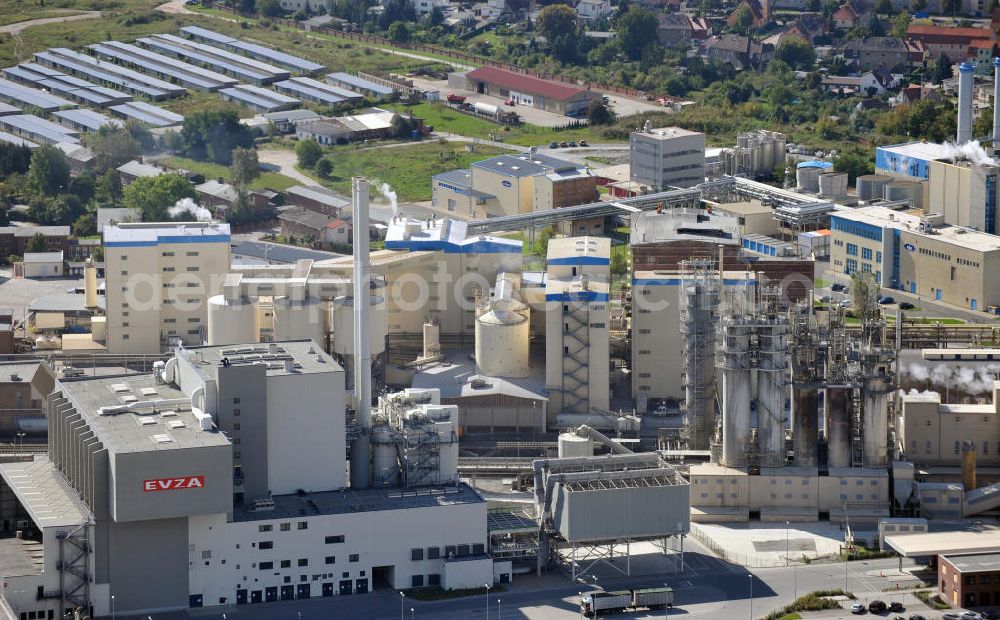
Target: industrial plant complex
{"type": "Point", "coordinates": [558, 369]}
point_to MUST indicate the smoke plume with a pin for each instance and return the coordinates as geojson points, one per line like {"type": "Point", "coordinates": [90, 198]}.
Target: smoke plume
{"type": "Point", "coordinates": [971, 380]}
{"type": "Point", "coordinates": [970, 151]}
{"type": "Point", "coordinates": [186, 205]}
{"type": "Point", "coordinates": [386, 190]}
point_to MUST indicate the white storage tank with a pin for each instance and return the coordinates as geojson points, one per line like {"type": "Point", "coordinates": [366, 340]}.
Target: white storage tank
{"type": "Point", "coordinates": [807, 175]}
{"type": "Point", "coordinates": [870, 186]}
{"type": "Point", "coordinates": [385, 467]}
{"type": "Point", "coordinates": [833, 184]}
{"type": "Point", "coordinates": [572, 445]}
{"type": "Point", "coordinates": [232, 321]}
{"type": "Point", "coordinates": [342, 310]}
{"type": "Point", "coordinates": [486, 109]}
{"type": "Point", "coordinates": [300, 320]}
{"type": "Point", "coordinates": [502, 343]}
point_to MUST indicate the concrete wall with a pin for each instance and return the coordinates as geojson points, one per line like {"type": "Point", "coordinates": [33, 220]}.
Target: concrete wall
{"type": "Point", "coordinates": [931, 434]}
{"type": "Point", "coordinates": [622, 512]}
{"type": "Point", "coordinates": [243, 390]}
{"type": "Point", "coordinates": [148, 565]}
{"type": "Point", "coordinates": [47, 269]}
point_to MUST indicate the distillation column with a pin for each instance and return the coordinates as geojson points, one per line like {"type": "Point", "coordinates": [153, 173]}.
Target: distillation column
{"type": "Point", "coordinates": [699, 299]}
{"type": "Point", "coordinates": [805, 431]}
{"type": "Point", "coordinates": [876, 416]}
{"type": "Point", "coordinates": [735, 365]}
{"type": "Point", "coordinates": [838, 425]}
{"type": "Point", "coordinates": [772, 389]}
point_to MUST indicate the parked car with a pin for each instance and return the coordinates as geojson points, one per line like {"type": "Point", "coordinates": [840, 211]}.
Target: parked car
{"type": "Point", "coordinates": [970, 615]}
{"type": "Point", "coordinates": [885, 299]}
{"type": "Point", "coordinates": [896, 606]}
{"type": "Point", "coordinates": [877, 607]}
{"type": "Point", "coordinates": [825, 299]}
{"type": "Point", "coordinates": [564, 144]}
{"type": "Point", "coordinates": [584, 143]}
{"type": "Point", "coordinates": [845, 303]}
{"type": "Point", "coordinates": [509, 102]}
{"type": "Point", "coordinates": [905, 305]}
{"type": "Point", "coordinates": [858, 609]}
{"type": "Point", "coordinates": [950, 615]}
{"type": "Point", "coordinates": [573, 144]}
{"type": "Point", "coordinates": [837, 287]}
{"type": "Point", "coordinates": [917, 617]}
{"type": "Point", "coordinates": [553, 145]}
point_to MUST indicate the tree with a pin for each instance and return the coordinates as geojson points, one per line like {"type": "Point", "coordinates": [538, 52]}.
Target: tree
{"type": "Point", "coordinates": [213, 135]}
{"type": "Point", "coordinates": [796, 53]}
{"type": "Point", "coordinates": [112, 146]}
{"type": "Point", "coordinates": [743, 18]}
{"type": "Point", "coordinates": [556, 20]}
{"type": "Point", "coordinates": [900, 24]}
{"type": "Point", "coordinates": [918, 5]}
{"type": "Point", "coordinates": [37, 243]}
{"type": "Point", "coordinates": [854, 164]}
{"type": "Point", "coordinates": [435, 17]}
{"type": "Point", "coordinates": [599, 114]}
{"type": "Point", "coordinates": [246, 7]}
{"type": "Point", "coordinates": [324, 167]}
{"type": "Point", "coordinates": [85, 225]}
{"type": "Point", "coordinates": [636, 29]}
{"type": "Point", "coordinates": [245, 167]}
{"type": "Point", "coordinates": [983, 125]}
{"type": "Point", "coordinates": [399, 32]}
{"type": "Point", "coordinates": [884, 7]}
{"type": "Point", "coordinates": [108, 189]}
{"type": "Point", "coordinates": [153, 196]}
{"type": "Point", "coordinates": [942, 69]}
{"type": "Point", "coordinates": [14, 159]}
{"type": "Point", "coordinates": [48, 173]}
{"type": "Point", "coordinates": [269, 8]}
{"type": "Point", "coordinates": [308, 152]}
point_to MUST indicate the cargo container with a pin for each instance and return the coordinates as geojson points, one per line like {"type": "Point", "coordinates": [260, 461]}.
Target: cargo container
{"type": "Point", "coordinates": [620, 601]}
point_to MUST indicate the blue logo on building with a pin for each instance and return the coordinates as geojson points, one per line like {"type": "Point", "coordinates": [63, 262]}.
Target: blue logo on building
{"type": "Point", "coordinates": [505, 183]}
{"type": "Point", "coordinates": [909, 246]}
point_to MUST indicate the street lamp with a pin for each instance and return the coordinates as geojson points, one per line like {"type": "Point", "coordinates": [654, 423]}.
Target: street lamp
{"type": "Point", "coordinates": [113, 607]}
{"type": "Point", "coordinates": [581, 605]}
{"type": "Point", "coordinates": [411, 613]}
{"type": "Point", "coordinates": [751, 595]}
{"type": "Point", "coordinates": [666, 608]}
{"type": "Point", "coordinates": [786, 544]}
{"type": "Point", "coordinates": [498, 609]}
{"type": "Point", "coordinates": [487, 586]}
{"type": "Point", "coordinates": [402, 598]}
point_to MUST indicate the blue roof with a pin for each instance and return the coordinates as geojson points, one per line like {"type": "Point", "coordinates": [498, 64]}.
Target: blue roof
{"type": "Point", "coordinates": [147, 113]}
{"type": "Point", "coordinates": [204, 60]}
{"type": "Point", "coordinates": [127, 79]}
{"type": "Point", "coordinates": [815, 163]}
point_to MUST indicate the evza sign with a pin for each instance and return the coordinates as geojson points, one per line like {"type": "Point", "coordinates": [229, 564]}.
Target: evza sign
{"type": "Point", "coordinates": [172, 484]}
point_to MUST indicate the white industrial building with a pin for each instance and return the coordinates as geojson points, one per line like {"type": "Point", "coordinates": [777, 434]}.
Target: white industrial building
{"type": "Point", "coordinates": [158, 278]}
{"type": "Point", "coordinates": [667, 157]}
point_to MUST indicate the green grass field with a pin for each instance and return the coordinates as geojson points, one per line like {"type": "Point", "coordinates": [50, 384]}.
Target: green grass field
{"type": "Point", "coordinates": [407, 169]}
{"type": "Point", "coordinates": [267, 180]}
{"type": "Point", "coordinates": [19, 16]}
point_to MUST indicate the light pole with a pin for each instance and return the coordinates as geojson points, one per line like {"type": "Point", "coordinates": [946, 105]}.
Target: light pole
{"type": "Point", "coordinates": [411, 613]}
{"type": "Point", "coordinates": [666, 608]}
{"type": "Point", "coordinates": [487, 586]}
{"type": "Point", "coordinates": [581, 605]}
{"type": "Point", "coordinates": [751, 595]}
{"type": "Point", "coordinates": [786, 544]}
{"type": "Point", "coordinates": [402, 598]}
{"type": "Point", "coordinates": [498, 609]}
{"type": "Point", "coordinates": [113, 607]}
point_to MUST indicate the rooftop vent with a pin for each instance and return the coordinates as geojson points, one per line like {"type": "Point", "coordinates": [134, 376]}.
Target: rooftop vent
{"type": "Point", "coordinates": [145, 421]}
{"type": "Point", "coordinates": [163, 438]}
{"type": "Point", "coordinates": [15, 377]}
{"type": "Point", "coordinates": [175, 424]}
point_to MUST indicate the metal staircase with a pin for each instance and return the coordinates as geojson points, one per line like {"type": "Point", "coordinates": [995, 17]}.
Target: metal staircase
{"type": "Point", "coordinates": [576, 360]}
{"type": "Point", "coordinates": [857, 430]}
{"type": "Point", "coordinates": [73, 567]}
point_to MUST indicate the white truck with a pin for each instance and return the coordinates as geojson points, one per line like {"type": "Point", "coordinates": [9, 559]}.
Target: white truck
{"type": "Point", "coordinates": [620, 601]}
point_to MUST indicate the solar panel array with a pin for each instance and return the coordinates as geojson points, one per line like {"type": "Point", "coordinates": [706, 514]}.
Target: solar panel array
{"type": "Point", "coordinates": [102, 72]}
{"type": "Point", "coordinates": [17, 94]}
{"type": "Point", "coordinates": [162, 66]}
{"type": "Point", "coordinates": [38, 129]}
{"type": "Point", "coordinates": [231, 64]}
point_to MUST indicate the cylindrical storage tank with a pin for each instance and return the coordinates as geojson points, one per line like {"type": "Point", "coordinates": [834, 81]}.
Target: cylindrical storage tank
{"type": "Point", "coordinates": [487, 109]}
{"type": "Point", "coordinates": [300, 320]}
{"type": "Point", "coordinates": [807, 178]}
{"type": "Point", "coordinates": [772, 391]}
{"type": "Point", "coordinates": [902, 190]}
{"type": "Point", "coordinates": [871, 186]}
{"type": "Point", "coordinates": [342, 310]}
{"type": "Point", "coordinates": [735, 392]}
{"type": "Point", "coordinates": [572, 445]}
{"type": "Point", "coordinates": [90, 283]}
{"type": "Point", "coordinates": [838, 426]}
{"type": "Point", "coordinates": [432, 339]}
{"type": "Point", "coordinates": [232, 322]}
{"type": "Point", "coordinates": [385, 468]}
{"type": "Point", "coordinates": [805, 426]}
{"type": "Point", "coordinates": [876, 428]}
{"type": "Point", "coordinates": [502, 344]}
{"type": "Point", "coordinates": [832, 184]}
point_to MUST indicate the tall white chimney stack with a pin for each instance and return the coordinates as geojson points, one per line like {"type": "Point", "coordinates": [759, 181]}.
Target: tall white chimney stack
{"type": "Point", "coordinates": [996, 103]}
{"type": "Point", "coordinates": [360, 448]}
{"type": "Point", "coordinates": [965, 84]}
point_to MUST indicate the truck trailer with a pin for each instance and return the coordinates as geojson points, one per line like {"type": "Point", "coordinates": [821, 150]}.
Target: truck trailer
{"type": "Point", "coordinates": [621, 601]}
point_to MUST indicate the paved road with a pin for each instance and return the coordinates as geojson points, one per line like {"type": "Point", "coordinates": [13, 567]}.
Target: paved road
{"type": "Point", "coordinates": [18, 27]}
{"type": "Point", "coordinates": [176, 7]}
{"type": "Point", "coordinates": [283, 161]}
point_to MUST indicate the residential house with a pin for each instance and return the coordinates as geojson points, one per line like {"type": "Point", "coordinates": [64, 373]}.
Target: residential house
{"type": "Point", "coordinates": [318, 199]}
{"type": "Point", "coordinates": [981, 54]}
{"type": "Point", "coordinates": [852, 14]}
{"type": "Point", "coordinates": [674, 30]}
{"type": "Point", "coordinates": [948, 41]}
{"type": "Point", "coordinates": [136, 169]}
{"type": "Point", "coordinates": [873, 52]}
{"type": "Point", "coordinates": [807, 26]}
{"type": "Point", "coordinates": [759, 9]}
{"type": "Point", "coordinates": [869, 83]}
{"type": "Point", "coordinates": [738, 50]}
{"type": "Point", "coordinates": [219, 197]}
{"type": "Point", "coordinates": [337, 232]}
{"type": "Point", "coordinates": [916, 55]}
{"type": "Point", "coordinates": [326, 131]}
{"type": "Point", "coordinates": [593, 9]}
{"type": "Point", "coordinates": [303, 223]}
{"type": "Point", "coordinates": [14, 239]}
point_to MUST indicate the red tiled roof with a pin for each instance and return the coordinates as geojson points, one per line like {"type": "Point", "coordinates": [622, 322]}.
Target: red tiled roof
{"type": "Point", "coordinates": [971, 33]}
{"type": "Point", "coordinates": [335, 223]}
{"type": "Point", "coordinates": [981, 43]}
{"type": "Point", "coordinates": [525, 83]}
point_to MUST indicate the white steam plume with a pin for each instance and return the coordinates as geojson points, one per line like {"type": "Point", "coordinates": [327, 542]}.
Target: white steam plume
{"type": "Point", "coordinates": [386, 190]}
{"type": "Point", "coordinates": [971, 151]}
{"type": "Point", "coordinates": [976, 379]}
{"type": "Point", "coordinates": [186, 205]}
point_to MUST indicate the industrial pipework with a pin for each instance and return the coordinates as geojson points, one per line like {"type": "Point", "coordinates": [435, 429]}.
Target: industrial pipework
{"type": "Point", "coordinates": [360, 447]}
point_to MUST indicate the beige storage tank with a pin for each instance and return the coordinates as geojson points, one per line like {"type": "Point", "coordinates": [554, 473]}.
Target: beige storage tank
{"type": "Point", "coordinates": [342, 310]}
{"type": "Point", "coordinates": [502, 343]}
{"type": "Point", "coordinates": [300, 320]}
{"type": "Point", "coordinates": [572, 445]}
{"type": "Point", "coordinates": [90, 283]}
{"type": "Point", "coordinates": [232, 321]}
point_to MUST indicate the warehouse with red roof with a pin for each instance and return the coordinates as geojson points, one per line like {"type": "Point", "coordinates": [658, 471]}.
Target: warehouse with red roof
{"type": "Point", "coordinates": [555, 97]}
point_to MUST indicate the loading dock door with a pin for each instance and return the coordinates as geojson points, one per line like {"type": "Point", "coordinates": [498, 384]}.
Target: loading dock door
{"type": "Point", "coordinates": [241, 597]}
{"type": "Point", "coordinates": [255, 596]}
{"type": "Point", "coordinates": [287, 593]}
{"type": "Point", "coordinates": [361, 586]}
{"type": "Point", "coordinates": [304, 590]}
{"type": "Point", "coordinates": [345, 586]}
{"type": "Point", "coordinates": [271, 594]}
{"type": "Point", "coordinates": [328, 589]}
